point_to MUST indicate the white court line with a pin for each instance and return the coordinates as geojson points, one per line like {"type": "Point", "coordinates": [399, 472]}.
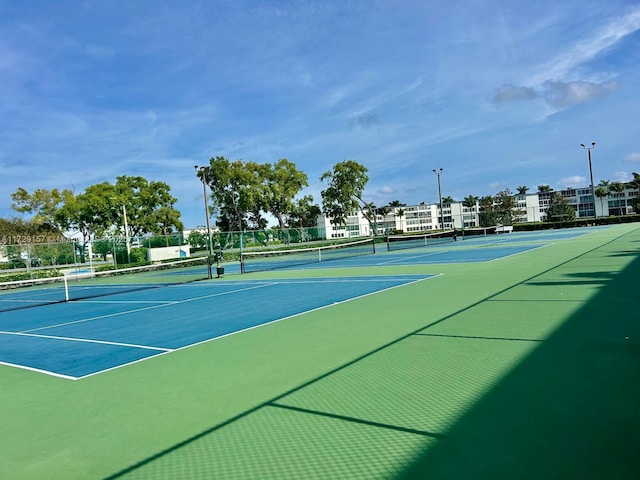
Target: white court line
{"type": "Point", "coordinates": [127, 312]}
{"type": "Point", "coordinates": [86, 340]}
{"type": "Point", "coordinates": [404, 259]}
{"type": "Point", "coordinates": [364, 279]}
{"type": "Point", "coordinates": [519, 253]}
{"type": "Point", "coordinates": [260, 325]}
{"type": "Point", "coordinates": [160, 302]}
{"type": "Point", "coordinates": [39, 370]}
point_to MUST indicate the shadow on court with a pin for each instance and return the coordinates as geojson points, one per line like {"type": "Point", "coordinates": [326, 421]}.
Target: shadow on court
{"type": "Point", "coordinates": [569, 410]}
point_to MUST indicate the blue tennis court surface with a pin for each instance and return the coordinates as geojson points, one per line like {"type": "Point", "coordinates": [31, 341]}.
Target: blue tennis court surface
{"type": "Point", "coordinates": [480, 248]}
{"type": "Point", "coordinates": [78, 339]}
{"type": "Point", "coordinates": [453, 252]}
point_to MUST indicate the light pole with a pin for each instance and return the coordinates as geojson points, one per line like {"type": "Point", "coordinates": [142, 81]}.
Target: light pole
{"type": "Point", "coordinates": [438, 172]}
{"type": "Point", "coordinates": [126, 230]}
{"type": "Point", "coordinates": [206, 211]}
{"type": "Point", "coordinates": [593, 196]}
{"type": "Point", "coordinates": [126, 233]}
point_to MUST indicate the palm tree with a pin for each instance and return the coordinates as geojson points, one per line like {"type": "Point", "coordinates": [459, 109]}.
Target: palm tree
{"type": "Point", "coordinates": [470, 201]}
{"type": "Point", "coordinates": [384, 210]}
{"type": "Point", "coordinates": [619, 187]}
{"type": "Point", "coordinates": [601, 192]}
{"type": "Point", "coordinates": [448, 200]}
{"type": "Point", "coordinates": [400, 213]}
{"type": "Point", "coordinates": [523, 190]}
{"type": "Point", "coordinates": [544, 188]}
{"type": "Point", "coordinates": [635, 182]}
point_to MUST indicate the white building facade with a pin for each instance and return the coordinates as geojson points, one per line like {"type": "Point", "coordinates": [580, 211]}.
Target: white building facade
{"type": "Point", "coordinates": [427, 217]}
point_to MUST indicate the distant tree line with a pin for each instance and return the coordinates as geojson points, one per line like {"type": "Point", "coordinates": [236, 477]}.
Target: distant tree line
{"type": "Point", "coordinates": [144, 206]}
{"type": "Point", "coordinates": [242, 194]}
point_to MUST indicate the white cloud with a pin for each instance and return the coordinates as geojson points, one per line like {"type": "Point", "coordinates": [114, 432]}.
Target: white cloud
{"type": "Point", "coordinates": [554, 82]}
{"type": "Point", "coordinates": [573, 181]}
{"type": "Point", "coordinates": [585, 50]}
{"type": "Point", "coordinates": [555, 93]}
{"type": "Point", "coordinates": [562, 94]}
{"type": "Point", "coordinates": [496, 185]}
{"type": "Point", "coordinates": [632, 157]}
{"type": "Point", "coordinates": [622, 176]}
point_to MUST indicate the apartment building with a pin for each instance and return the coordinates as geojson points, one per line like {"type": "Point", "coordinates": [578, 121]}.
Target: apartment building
{"type": "Point", "coordinates": [425, 217]}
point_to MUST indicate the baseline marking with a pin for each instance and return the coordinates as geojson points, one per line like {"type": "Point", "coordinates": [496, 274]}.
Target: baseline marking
{"type": "Point", "coordinates": [422, 278]}
{"type": "Point", "coordinates": [86, 340]}
{"type": "Point", "coordinates": [82, 320]}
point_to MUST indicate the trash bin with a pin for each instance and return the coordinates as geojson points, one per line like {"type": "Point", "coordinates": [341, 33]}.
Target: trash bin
{"type": "Point", "coordinates": [219, 270]}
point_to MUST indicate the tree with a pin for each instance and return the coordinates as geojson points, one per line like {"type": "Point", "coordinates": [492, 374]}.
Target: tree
{"type": "Point", "coordinates": [448, 200]}
{"type": "Point", "coordinates": [470, 201]}
{"type": "Point", "coordinates": [635, 182]}
{"type": "Point", "coordinates": [544, 188]}
{"type": "Point", "coordinates": [283, 181]}
{"type": "Point", "coordinates": [149, 206]}
{"type": "Point", "coordinates": [601, 192]}
{"type": "Point", "coordinates": [560, 209]}
{"type": "Point", "coordinates": [90, 213]}
{"type": "Point", "coordinates": [103, 248]}
{"type": "Point", "coordinates": [100, 209]}
{"type": "Point", "coordinates": [237, 189]}
{"type": "Point", "coordinates": [396, 203]}
{"type": "Point", "coordinates": [343, 195]}
{"type": "Point", "coordinates": [488, 216]}
{"type": "Point", "coordinates": [522, 190]}
{"type": "Point", "coordinates": [619, 187]}
{"type": "Point", "coordinates": [166, 218]}
{"type": "Point", "coordinates": [42, 203]}
{"type": "Point", "coordinates": [384, 210]}
{"type": "Point", "coordinates": [17, 230]}
{"type": "Point", "coordinates": [505, 207]}
{"type": "Point", "coordinates": [304, 213]}
{"type": "Point", "coordinates": [400, 213]}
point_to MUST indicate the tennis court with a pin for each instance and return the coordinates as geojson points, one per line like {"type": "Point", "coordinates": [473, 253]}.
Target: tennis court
{"type": "Point", "coordinates": [78, 339]}
{"type": "Point", "coordinates": [506, 356]}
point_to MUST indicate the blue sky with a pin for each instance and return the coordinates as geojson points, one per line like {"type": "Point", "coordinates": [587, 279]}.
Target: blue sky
{"type": "Point", "coordinates": [497, 93]}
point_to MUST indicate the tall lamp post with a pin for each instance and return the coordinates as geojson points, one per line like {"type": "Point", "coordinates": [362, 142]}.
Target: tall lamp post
{"type": "Point", "coordinates": [126, 230]}
{"type": "Point", "coordinates": [438, 172]}
{"type": "Point", "coordinates": [126, 233]}
{"type": "Point", "coordinates": [206, 211]}
{"type": "Point", "coordinates": [593, 196]}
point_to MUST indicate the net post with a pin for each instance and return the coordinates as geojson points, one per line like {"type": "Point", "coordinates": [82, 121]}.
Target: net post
{"type": "Point", "coordinates": [209, 267]}
{"type": "Point", "coordinates": [66, 288]}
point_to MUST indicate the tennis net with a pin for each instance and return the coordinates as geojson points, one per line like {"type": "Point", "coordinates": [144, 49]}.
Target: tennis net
{"type": "Point", "coordinates": [400, 242]}
{"type": "Point", "coordinates": [276, 259]}
{"type": "Point", "coordinates": [480, 231]}
{"type": "Point", "coordinates": [82, 284]}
